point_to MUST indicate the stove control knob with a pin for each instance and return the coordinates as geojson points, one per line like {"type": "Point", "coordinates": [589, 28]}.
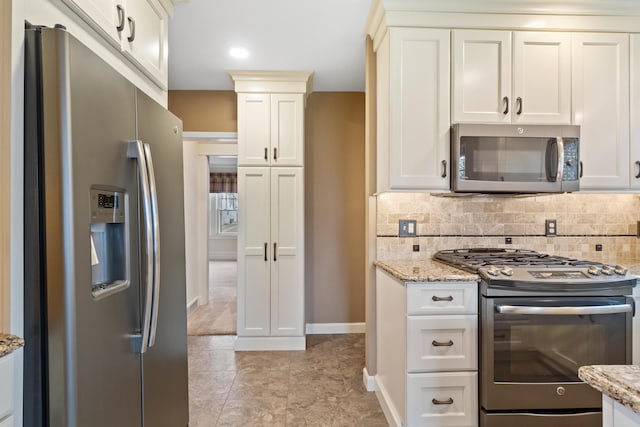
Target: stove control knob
{"type": "Point", "coordinates": [593, 270]}
{"type": "Point", "coordinates": [618, 269]}
{"type": "Point", "coordinates": [560, 391]}
{"type": "Point", "coordinates": [493, 271]}
{"type": "Point", "coordinates": [606, 270]}
{"type": "Point", "coordinates": [507, 271]}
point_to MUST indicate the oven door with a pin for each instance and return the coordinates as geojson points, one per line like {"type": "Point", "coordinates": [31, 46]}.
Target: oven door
{"type": "Point", "coordinates": [531, 349]}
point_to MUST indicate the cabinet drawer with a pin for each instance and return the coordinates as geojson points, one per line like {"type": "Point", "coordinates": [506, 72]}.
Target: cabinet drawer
{"type": "Point", "coordinates": [442, 298]}
{"type": "Point", "coordinates": [6, 385]}
{"type": "Point", "coordinates": [442, 399]}
{"type": "Point", "coordinates": [442, 343]}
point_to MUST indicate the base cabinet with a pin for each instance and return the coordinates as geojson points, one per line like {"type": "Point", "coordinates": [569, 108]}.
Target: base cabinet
{"type": "Point", "coordinates": [270, 252]}
{"type": "Point", "coordinates": [427, 342]}
{"type": "Point", "coordinates": [7, 382]}
{"type": "Point", "coordinates": [616, 415]}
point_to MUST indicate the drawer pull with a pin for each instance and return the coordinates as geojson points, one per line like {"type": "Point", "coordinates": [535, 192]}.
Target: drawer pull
{"type": "Point", "coordinates": [441, 344]}
{"type": "Point", "coordinates": [449, 401]}
{"type": "Point", "coordinates": [435, 298]}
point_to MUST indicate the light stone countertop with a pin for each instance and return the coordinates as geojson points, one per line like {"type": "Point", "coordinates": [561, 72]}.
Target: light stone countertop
{"type": "Point", "coordinates": [619, 382]}
{"type": "Point", "coordinates": [425, 271]}
{"type": "Point", "coordinates": [9, 343]}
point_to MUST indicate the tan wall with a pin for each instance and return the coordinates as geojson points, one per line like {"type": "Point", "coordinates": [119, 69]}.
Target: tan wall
{"type": "Point", "coordinates": [334, 192]}
{"type": "Point", "coordinates": [205, 110]}
{"type": "Point", "coordinates": [334, 207]}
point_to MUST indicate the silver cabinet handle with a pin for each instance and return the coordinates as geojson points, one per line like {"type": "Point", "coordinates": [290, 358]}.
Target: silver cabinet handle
{"type": "Point", "coordinates": [444, 168]}
{"type": "Point", "coordinates": [638, 168]}
{"type": "Point", "coordinates": [505, 101]}
{"type": "Point", "coordinates": [132, 27]}
{"type": "Point", "coordinates": [441, 344]}
{"type": "Point", "coordinates": [266, 153]}
{"type": "Point", "coordinates": [265, 251]}
{"type": "Point", "coordinates": [136, 151]}
{"type": "Point", "coordinates": [560, 146]}
{"type": "Point", "coordinates": [581, 169]}
{"type": "Point", "coordinates": [274, 251]}
{"type": "Point", "coordinates": [156, 246]}
{"type": "Point", "coordinates": [435, 401]}
{"type": "Point", "coordinates": [120, 10]}
{"type": "Point", "coordinates": [556, 311]}
{"type": "Point", "coordinates": [519, 103]}
{"type": "Point", "coordinates": [275, 153]}
{"type": "Point", "coordinates": [436, 298]}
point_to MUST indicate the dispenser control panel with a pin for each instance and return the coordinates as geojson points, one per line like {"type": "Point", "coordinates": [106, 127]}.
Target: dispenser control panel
{"type": "Point", "coordinates": [106, 206]}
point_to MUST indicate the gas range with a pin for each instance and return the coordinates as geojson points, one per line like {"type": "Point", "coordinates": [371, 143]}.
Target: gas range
{"type": "Point", "coordinates": [517, 270]}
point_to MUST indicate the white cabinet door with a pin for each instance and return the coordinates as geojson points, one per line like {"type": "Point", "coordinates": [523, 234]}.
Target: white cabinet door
{"type": "Point", "coordinates": [287, 240]}
{"type": "Point", "coordinates": [287, 129]}
{"type": "Point", "coordinates": [635, 113]}
{"type": "Point", "coordinates": [541, 77]}
{"type": "Point", "coordinates": [600, 76]}
{"type": "Point", "coordinates": [144, 37]}
{"type": "Point", "coordinates": [419, 109]}
{"type": "Point", "coordinates": [254, 251]}
{"type": "Point", "coordinates": [6, 386]}
{"type": "Point", "coordinates": [481, 76]}
{"type": "Point", "coordinates": [497, 83]}
{"type": "Point", "coordinates": [254, 129]}
{"type": "Point", "coordinates": [103, 15]}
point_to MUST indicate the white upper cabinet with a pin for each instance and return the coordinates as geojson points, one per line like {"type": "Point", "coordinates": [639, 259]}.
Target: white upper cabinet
{"type": "Point", "coordinates": [138, 28]}
{"type": "Point", "coordinates": [413, 109]}
{"type": "Point", "coordinates": [635, 111]}
{"type": "Point", "coordinates": [600, 78]}
{"type": "Point", "coordinates": [511, 77]}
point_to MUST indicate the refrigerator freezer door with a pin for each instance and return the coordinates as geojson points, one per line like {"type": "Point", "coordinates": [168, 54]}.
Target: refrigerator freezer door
{"type": "Point", "coordinates": [87, 114]}
{"type": "Point", "coordinates": [165, 379]}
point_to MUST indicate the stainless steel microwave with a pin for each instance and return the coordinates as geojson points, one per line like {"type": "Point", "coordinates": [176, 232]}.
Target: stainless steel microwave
{"type": "Point", "coordinates": [515, 159]}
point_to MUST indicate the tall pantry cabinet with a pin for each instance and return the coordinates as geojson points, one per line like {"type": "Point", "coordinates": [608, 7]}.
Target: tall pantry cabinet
{"type": "Point", "coordinates": [271, 209]}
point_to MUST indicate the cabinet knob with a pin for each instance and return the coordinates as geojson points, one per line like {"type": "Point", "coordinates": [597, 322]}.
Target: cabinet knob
{"type": "Point", "coordinates": [444, 169]}
{"type": "Point", "coordinates": [505, 101]}
{"type": "Point", "coordinates": [120, 10]}
{"type": "Point", "coordinates": [132, 27]}
{"type": "Point", "coordinates": [638, 168]}
{"type": "Point", "coordinates": [519, 103]}
{"type": "Point", "coordinates": [435, 401]}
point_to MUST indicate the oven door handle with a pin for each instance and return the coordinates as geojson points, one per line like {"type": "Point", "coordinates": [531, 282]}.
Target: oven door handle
{"type": "Point", "coordinates": [553, 311]}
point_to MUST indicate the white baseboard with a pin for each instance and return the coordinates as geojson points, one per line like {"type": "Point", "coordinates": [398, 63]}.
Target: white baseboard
{"type": "Point", "coordinates": [390, 413]}
{"type": "Point", "coordinates": [192, 305]}
{"type": "Point", "coordinates": [270, 343]}
{"type": "Point", "coordinates": [335, 328]}
{"type": "Point", "coordinates": [368, 380]}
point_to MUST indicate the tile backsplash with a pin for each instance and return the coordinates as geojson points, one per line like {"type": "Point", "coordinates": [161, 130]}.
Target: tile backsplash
{"type": "Point", "coordinates": [449, 222]}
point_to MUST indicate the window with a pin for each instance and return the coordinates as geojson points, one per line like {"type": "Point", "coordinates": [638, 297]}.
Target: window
{"type": "Point", "coordinates": [227, 213]}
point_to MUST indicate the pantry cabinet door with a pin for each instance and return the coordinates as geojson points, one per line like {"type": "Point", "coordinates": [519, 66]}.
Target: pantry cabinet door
{"type": "Point", "coordinates": [287, 237]}
{"type": "Point", "coordinates": [541, 77]}
{"type": "Point", "coordinates": [419, 108]}
{"type": "Point", "coordinates": [600, 76]}
{"type": "Point", "coordinates": [254, 129]}
{"type": "Point", "coordinates": [635, 114]}
{"type": "Point", "coordinates": [287, 129]}
{"type": "Point", "coordinates": [481, 76]}
{"type": "Point", "coordinates": [254, 251]}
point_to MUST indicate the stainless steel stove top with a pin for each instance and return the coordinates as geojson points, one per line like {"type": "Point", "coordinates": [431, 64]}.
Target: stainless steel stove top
{"type": "Point", "coordinates": [527, 270]}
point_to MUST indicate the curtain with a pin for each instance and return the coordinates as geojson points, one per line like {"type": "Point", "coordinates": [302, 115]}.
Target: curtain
{"type": "Point", "coordinates": [223, 183]}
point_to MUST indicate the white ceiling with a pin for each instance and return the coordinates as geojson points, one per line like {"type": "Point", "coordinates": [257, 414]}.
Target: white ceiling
{"type": "Point", "coordinates": [323, 36]}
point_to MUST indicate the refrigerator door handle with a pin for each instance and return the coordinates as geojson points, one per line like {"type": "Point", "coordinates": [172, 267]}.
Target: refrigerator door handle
{"type": "Point", "coordinates": [136, 151]}
{"type": "Point", "coordinates": [156, 246]}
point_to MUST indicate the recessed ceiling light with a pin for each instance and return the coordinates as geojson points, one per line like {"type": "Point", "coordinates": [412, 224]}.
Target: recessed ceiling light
{"type": "Point", "coordinates": [239, 52]}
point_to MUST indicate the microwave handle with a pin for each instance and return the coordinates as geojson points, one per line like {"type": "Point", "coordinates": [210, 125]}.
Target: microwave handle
{"type": "Point", "coordinates": [560, 145]}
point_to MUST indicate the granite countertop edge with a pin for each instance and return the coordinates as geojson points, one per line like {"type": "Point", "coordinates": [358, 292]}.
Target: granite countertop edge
{"type": "Point", "coordinates": [620, 382]}
{"type": "Point", "coordinates": [9, 343]}
{"type": "Point", "coordinates": [425, 271]}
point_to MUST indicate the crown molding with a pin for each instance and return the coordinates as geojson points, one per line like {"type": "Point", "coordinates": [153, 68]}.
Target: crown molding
{"type": "Point", "coordinates": [272, 81]}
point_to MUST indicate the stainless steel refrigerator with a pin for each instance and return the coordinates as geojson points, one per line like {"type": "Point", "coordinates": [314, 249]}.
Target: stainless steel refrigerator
{"type": "Point", "coordinates": [105, 309]}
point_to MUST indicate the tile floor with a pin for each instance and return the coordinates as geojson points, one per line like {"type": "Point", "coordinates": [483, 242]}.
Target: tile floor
{"type": "Point", "coordinates": [321, 386]}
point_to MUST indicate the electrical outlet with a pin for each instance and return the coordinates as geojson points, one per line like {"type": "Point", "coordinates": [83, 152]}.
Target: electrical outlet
{"type": "Point", "coordinates": [550, 227]}
{"type": "Point", "coordinates": [508, 240]}
{"type": "Point", "coordinates": [598, 247]}
{"type": "Point", "coordinates": [407, 228]}
{"type": "Point", "coordinates": [416, 248]}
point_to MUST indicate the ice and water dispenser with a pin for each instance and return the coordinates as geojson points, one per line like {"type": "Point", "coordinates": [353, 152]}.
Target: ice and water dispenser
{"type": "Point", "coordinates": [109, 252]}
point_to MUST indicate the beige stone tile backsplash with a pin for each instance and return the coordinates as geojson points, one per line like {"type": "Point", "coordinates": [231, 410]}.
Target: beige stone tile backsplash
{"type": "Point", "coordinates": [449, 222]}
